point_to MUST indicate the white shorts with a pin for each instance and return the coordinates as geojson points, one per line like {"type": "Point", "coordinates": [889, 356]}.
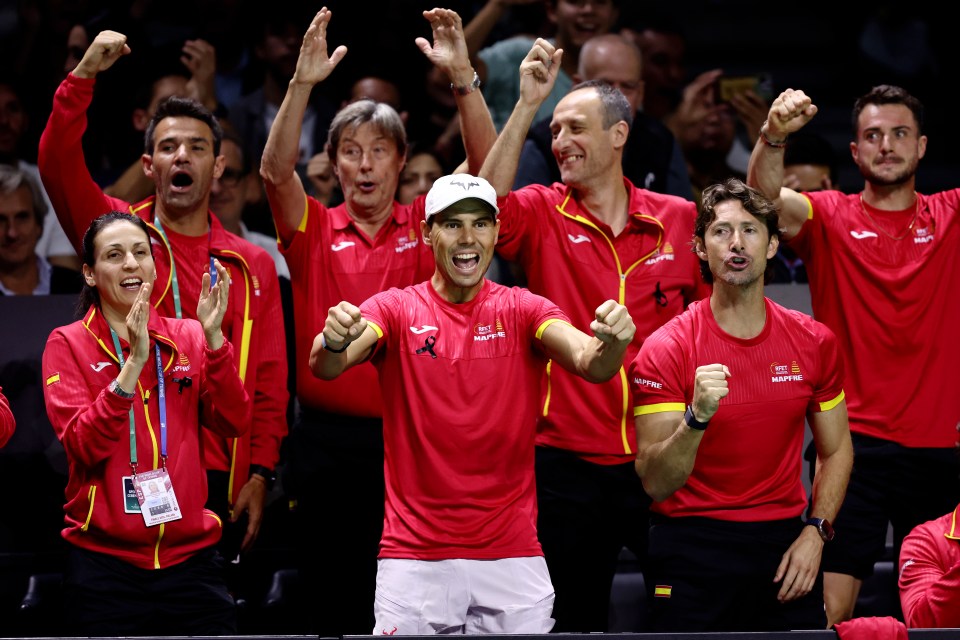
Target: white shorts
{"type": "Point", "coordinates": [427, 597]}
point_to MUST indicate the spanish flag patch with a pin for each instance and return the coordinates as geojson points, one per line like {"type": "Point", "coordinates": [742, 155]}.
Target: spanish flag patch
{"type": "Point", "coordinates": [55, 378]}
{"type": "Point", "coordinates": [662, 591]}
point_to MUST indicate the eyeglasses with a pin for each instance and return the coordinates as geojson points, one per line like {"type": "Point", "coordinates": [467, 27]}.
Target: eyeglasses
{"type": "Point", "coordinates": [231, 177]}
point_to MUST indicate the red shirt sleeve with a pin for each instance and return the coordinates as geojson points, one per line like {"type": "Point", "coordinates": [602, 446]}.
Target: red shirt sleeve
{"type": "Point", "coordinates": [930, 577]}
{"type": "Point", "coordinates": [75, 197]}
{"type": "Point", "coordinates": [7, 423]}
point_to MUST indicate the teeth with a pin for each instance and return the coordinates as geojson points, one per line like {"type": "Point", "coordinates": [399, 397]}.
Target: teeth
{"type": "Point", "coordinates": [465, 256]}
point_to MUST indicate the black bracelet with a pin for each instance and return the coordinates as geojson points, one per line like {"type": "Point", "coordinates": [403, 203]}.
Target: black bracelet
{"type": "Point", "coordinates": [269, 475]}
{"type": "Point", "coordinates": [692, 421]}
{"type": "Point", "coordinates": [323, 341]}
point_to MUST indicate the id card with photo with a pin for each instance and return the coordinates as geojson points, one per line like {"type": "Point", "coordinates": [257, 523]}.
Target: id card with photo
{"type": "Point", "coordinates": [131, 504]}
{"type": "Point", "coordinates": [158, 502]}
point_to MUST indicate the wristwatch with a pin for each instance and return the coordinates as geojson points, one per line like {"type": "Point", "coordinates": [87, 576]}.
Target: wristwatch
{"type": "Point", "coordinates": [692, 421]}
{"type": "Point", "coordinates": [824, 528]}
{"type": "Point", "coordinates": [117, 389]}
{"type": "Point", "coordinates": [269, 475]}
{"type": "Point", "coordinates": [468, 89]}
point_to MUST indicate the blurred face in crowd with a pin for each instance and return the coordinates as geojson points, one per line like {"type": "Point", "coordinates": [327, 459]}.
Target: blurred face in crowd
{"type": "Point", "coordinates": [583, 149]}
{"type": "Point", "coordinates": [368, 167]}
{"type": "Point", "coordinates": [19, 228]}
{"type": "Point", "coordinates": [579, 20]}
{"type": "Point", "coordinates": [417, 177]}
{"type": "Point", "coordinates": [889, 145]}
{"type": "Point", "coordinates": [183, 164]}
{"type": "Point", "coordinates": [13, 122]}
{"type": "Point", "coordinates": [615, 61]}
{"type": "Point", "coordinates": [229, 193]}
{"type": "Point", "coordinates": [163, 88]}
{"type": "Point", "coordinates": [664, 73]}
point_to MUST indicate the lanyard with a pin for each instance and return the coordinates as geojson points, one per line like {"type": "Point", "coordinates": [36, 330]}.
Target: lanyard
{"type": "Point", "coordinates": [162, 402]}
{"type": "Point", "coordinates": [173, 267]}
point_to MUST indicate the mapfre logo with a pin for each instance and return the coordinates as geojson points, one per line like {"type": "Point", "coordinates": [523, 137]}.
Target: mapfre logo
{"type": "Point", "coordinates": [643, 382]}
{"type": "Point", "coordinates": [786, 373]}
{"type": "Point", "coordinates": [664, 253]}
{"type": "Point", "coordinates": [484, 332]}
{"type": "Point", "coordinates": [923, 235]}
{"type": "Point", "coordinates": [183, 364]}
{"type": "Point", "coordinates": [410, 242]}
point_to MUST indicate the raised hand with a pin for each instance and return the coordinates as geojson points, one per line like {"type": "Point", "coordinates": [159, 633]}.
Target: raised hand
{"type": "Point", "coordinates": [344, 325]}
{"type": "Point", "coordinates": [710, 386]}
{"type": "Point", "coordinates": [200, 59]}
{"type": "Point", "coordinates": [213, 305]}
{"type": "Point", "coordinates": [789, 113]}
{"type": "Point", "coordinates": [314, 64]}
{"type": "Point", "coordinates": [105, 49]}
{"type": "Point", "coordinates": [136, 323]}
{"type": "Point", "coordinates": [538, 71]}
{"type": "Point", "coordinates": [449, 49]}
{"type": "Point", "coordinates": [613, 323]}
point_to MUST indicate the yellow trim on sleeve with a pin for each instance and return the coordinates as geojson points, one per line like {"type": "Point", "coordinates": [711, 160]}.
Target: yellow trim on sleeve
{"type": "Point", "coordinates": [662, 407]}
{"type": "Point", "coordinates": [306, 208]}
{"type": "Point", "coordinates": [374, 326]}
{"type": "Point", "coordinates": [52, 379]}
{"type": "Point", "coordinates": [91, 498]}
{"type": "Point", "coordinates": [809, 207]}
{"type": "Point", "coordinates": [547, 323]}
{"type": "Point", "coordinates": [830, 404]}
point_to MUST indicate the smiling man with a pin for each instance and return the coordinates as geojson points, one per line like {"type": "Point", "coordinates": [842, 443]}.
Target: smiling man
{"type": "Point", "coordinates": [459, 359]}
{"type": "Point", "coordinates": [721, 393]}
{"type": "Point", "coordinates": [182, 158]}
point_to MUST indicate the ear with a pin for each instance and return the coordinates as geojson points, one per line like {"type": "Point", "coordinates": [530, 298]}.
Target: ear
{"type": "Point", "coordinates": [619, 133]}
{"type": "Point", "coordinates": [425, 233]}
{"type": "Point", "coordinates": [921, 147]}
{"type": "Point", "coordinates": [772, 247]}
{"type": "Point", "coordinates": [88, 275]}
{"type": "Point", "coordinates": [147, 161]}
{"type": "Point", "coordinates": [219, 164]}
{"type": "Point", "coordinates": [699, 249]}
{"type": "Point", "coordinates": [855, 152]}
{"type": "Point", "coordinates": [496, 232]}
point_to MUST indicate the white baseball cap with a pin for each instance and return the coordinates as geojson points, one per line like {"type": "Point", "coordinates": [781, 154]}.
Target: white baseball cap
{"type": "Point", "coordinates": [449, 190]}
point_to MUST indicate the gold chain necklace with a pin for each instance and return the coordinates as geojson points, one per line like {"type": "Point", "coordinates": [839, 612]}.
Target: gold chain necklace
{"type": "Point", "coordinates": [913, 221]}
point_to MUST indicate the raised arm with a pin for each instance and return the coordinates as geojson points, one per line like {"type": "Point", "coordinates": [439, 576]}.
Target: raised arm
{"type": "Point", "coordinates": [75, 197]}
{"type": "Point", "coordinates": [285, 191]}
{"type": "Point", "coordinates": [788, 114]}
{"type": "Point", "coordinates": [831, 435]}
{"type": "Point", "coordinates": [666, 445]}
{"type": "Point", "coordinates": [346, 340]}
{"type": "Point", "coordinates": [538, 73]}
{"type": "Point", "coordinates": [597, 358]}
{"type": "Point", "coordinates": [449, 54]}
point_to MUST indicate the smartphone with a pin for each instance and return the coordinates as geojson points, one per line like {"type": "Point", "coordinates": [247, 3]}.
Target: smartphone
{"type": "Point", "coordinates": [759, 83]}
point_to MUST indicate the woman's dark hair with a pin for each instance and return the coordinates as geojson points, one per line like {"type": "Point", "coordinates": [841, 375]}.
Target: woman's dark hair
{"type": "Point", "coordinates": [89, 295]}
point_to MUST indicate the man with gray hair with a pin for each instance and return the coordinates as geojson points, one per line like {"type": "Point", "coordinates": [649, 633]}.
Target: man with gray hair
{"type": "Point", "coordinates": [22, 210]}
{"type": "Point", "coordinates": [368, 244]}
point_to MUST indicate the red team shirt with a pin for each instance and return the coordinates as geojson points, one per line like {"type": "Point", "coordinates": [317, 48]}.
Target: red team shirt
{"type": "Point", "coordinates": [459, 427]}
{"type": "Point", "coordinates": [748, 466]}
{"type": "Point", "coordinates": [893, 305]}
{"type": "Point", "coordinates": [930, 573]}
{"type": "Point", "coordinates": [331, 260]}
{"type": "Point", "coordinates": [572, 258]}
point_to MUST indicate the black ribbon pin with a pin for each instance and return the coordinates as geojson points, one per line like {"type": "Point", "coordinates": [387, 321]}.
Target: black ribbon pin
{"type": "Point", "coordinates": [428, 346]}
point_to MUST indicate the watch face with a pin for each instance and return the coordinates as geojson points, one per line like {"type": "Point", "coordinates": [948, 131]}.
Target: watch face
{"type": "Point", "coordinates": [826, 530]}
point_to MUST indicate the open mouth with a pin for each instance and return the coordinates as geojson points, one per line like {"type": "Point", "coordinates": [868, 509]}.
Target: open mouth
{"type": "Point", "coordinates": [182, 181]}
{"type": "Point", "coordinates": [131, 284]}
{"type": "Point", "coordinates": [466, 262]}
{"type": "Point", "coordinates": [366, 186]}
{"type": "Point", "coordinates": [738, 262]}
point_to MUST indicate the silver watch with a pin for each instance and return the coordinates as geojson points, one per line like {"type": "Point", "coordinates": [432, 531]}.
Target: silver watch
{"type": "Point", "coordinates": [117, 389]}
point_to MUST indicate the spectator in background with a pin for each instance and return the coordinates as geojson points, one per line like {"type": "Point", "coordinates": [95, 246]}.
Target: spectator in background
{"type": "Point", "coordinates": [575, 22]}
{"type": "Point", "coordinates": [652, 158]}
{"type": "Point", "coordinates": [53, 244]}
{"type": "Point", "coordinates": [663, 45]}
{"type": "Point", "coordinates": [7, 424]}
{"type": "Point", "coordinates": [420, 171]}
{"type": "Point", "coordinates": [23, 211]}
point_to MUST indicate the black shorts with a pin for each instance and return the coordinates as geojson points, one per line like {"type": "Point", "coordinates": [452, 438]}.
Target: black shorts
{"type": "Point", "coordinates": [890, 484]}
{"type": "Point", "coordinates": [712, 575]}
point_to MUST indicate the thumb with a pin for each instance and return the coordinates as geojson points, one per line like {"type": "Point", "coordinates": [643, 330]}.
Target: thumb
{"type": "Point", "coordinates": [424, 45]}
{"type": "Point", "coordinates": [338, 55]}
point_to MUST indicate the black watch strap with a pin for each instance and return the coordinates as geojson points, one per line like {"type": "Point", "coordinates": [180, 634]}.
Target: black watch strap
{"type": "Point", "coordinates": [824, 528]}
{"type": "Point", "coordinates": [267, 474]}
{"type": "Point", "coordinates": [692, 421]}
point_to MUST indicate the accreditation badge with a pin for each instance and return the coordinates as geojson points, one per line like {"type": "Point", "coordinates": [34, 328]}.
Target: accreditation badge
{"type": "Point", "coordinates": [131, 504]}
{"type": "Point", "coordinates": [158, 502]}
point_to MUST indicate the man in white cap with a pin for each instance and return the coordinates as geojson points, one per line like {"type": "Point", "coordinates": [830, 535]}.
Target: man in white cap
{"type": "Point", "coordinates": [459, 359]}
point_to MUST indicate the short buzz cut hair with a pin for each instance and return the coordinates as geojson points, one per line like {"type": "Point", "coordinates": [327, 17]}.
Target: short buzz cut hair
{"type": "Point", "coordinates": [382, 116]}
{"type": "Point", "coordinates": [755, 203]}
{"type": "Point", "coordinates": [613, 104]}
{"type": "Point", "coordinates": [12, 179]}
{"type": "Point", "coordinates": [175, 107]}
{"type": "Point", "coordinates": [887, 94]}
